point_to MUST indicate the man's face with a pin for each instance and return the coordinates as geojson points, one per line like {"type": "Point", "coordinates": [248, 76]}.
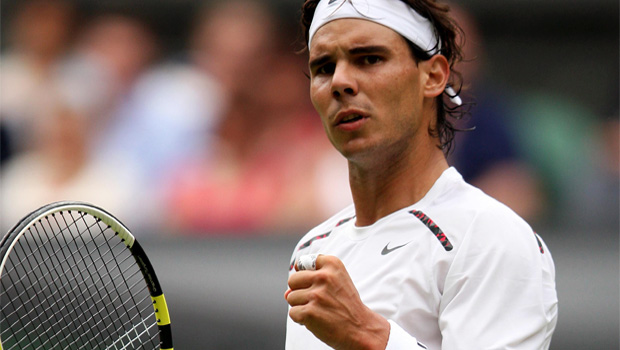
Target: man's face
{"type": "Point", "coordinates": [366, 87]}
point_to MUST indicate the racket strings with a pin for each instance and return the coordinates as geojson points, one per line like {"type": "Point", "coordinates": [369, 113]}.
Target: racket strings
{"type": "Point", "coordinates": [85, 280]}
{"type": "Point", "coordinates": [28, 303]}
{"type": "Point", "coordinates": [124, 277]}
{"type": "Point", "coordinates": [13, 337]}
{"type": "Point", "coordinates": [55, 282]}
{"type": "Point", "coordinates": [83, 286]}
{"type": "Point", "coordinates": [74, 292]}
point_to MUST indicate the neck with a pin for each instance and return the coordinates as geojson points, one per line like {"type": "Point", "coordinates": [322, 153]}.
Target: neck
{"type": "Point", "coordinates": [394, 184]}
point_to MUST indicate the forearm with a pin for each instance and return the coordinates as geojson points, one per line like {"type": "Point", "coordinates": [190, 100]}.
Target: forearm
{"type": "Point", "coordinates": [371, 332]}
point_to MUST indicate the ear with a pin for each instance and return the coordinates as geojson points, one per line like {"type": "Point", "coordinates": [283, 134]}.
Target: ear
{"type": "Point", "coordinates": [437, 74]}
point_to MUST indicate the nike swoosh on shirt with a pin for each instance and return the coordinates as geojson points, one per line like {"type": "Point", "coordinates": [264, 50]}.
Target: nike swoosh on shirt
{"type": "Point", "coordinates": [387, 250]}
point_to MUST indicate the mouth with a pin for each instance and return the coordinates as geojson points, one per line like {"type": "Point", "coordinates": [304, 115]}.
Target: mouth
{"type": "Point", "coordinates": [348, 117]}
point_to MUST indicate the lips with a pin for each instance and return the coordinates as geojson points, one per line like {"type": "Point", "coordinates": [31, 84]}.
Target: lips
{"type": "Point", "coordinates": [348, 116]}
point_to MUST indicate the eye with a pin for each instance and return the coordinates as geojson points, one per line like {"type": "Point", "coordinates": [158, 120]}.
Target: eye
{"type": "Point", "coordinates": [371, 59]}
{"type": "Point", "coordinates": [327, 68]}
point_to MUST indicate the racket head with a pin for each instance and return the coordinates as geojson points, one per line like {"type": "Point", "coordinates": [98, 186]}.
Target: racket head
{"type": "Point", "coordinates": [73, 276]}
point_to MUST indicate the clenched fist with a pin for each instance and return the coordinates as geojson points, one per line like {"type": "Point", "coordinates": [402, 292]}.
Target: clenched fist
{"type": "Point", "coordinates": [328, 304]}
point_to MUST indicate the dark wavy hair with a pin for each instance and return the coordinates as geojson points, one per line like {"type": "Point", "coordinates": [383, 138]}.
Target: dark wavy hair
{"type": "Point", "coordinates": [451, 36]}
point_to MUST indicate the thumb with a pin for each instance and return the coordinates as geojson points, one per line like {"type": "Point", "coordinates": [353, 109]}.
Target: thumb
{"type": "Point", "coordinates": [307, 262]}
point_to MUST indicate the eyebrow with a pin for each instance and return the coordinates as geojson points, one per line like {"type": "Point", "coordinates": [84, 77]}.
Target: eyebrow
{"type": "Point", "coordinates": [372, 49]}
{"type": "Point", "coordinates": [319, 61]}
{"type": "Point", "coordinates": [369, 49]}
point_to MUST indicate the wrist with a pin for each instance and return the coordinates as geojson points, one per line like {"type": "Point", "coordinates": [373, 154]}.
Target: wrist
{"type": "Point", "coordinates": [373, 334]}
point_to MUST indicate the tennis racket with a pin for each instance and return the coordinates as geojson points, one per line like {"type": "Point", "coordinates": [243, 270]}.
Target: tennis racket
{"type": "Point", "coordinates": [72, 276]}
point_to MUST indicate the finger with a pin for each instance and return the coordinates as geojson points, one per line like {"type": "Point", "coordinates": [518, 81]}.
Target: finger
{"type": "Point", "coordinates": [297, 297]}
{"type": "Point", "coordinates": [296, 314]}
{"type": "Point", "coordinates": [306, 314]}
{"type": "Point", "coordinates": [300, 280]}
{"type": "Point", "coordinates": [300, 314]}
{"type": "Point", "coordinates": [307, 262]}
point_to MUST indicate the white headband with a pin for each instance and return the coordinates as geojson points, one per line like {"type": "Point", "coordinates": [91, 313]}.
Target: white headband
{"type": "Point", "coordinates": [393, 14]}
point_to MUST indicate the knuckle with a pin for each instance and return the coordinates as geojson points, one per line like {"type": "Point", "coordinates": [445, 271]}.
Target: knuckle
{"type": "Point", "coordinates": [313, 296]}
{"type": "Point", "coordinates": [329, 259]}
{"type": "Point", "coordinates": [321, 277]}
{"type": "Point", "coordinates": [299, 314]}
{"type": "Point", "coordinates": [295, 316]}
{"type": "Point", "coordinates": [337, 262]}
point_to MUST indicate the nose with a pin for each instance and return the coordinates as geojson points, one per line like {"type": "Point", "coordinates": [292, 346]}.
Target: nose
{"type": "Point", "coordinates": [343, 81]}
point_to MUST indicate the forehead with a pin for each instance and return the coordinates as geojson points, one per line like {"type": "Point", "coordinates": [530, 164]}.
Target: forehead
{"type": "Point", "coordinates": [354, 32]}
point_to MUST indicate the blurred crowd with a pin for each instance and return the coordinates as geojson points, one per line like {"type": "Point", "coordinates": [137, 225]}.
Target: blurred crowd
{"type": "Point", "coordinates": [220, 137]}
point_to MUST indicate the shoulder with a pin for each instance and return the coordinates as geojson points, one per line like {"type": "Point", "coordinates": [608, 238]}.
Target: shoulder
{"type": "Point", "coordinates": [325, 228]}
{"type": "Point", "coordinates": [490, 239]}
{"type": "Point", "coordinates": [495, 223]}
{"type": "Point", "coordinates": [316, 237]}
{"type": "Point", "coordinates": [469, 215]}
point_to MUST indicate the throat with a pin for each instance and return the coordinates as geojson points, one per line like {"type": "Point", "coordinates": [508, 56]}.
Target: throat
{"type": "Point", "coordinates": [382, 191]}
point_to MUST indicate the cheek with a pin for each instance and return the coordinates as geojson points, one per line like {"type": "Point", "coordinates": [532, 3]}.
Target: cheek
{"type": "Point", "coordinates": [402, 101]}
{"type": "Point", "coordinates": [320, 98]}
{"type": "Point", "coordinates": [406, 91]}
{"type": "Point", "coordinates": [314, 92]}
{"type": "Point", "coordinates": [399, 96]}
{"type": "Point", "coordinates": [314, 98]}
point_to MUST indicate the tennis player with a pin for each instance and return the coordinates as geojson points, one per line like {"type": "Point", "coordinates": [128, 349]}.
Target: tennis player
{"type": "Point", "coordinates": [421, 260]}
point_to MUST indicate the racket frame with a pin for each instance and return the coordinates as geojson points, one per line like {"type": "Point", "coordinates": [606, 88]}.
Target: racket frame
{"type": "Point", "coordinates": [157, 296]}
